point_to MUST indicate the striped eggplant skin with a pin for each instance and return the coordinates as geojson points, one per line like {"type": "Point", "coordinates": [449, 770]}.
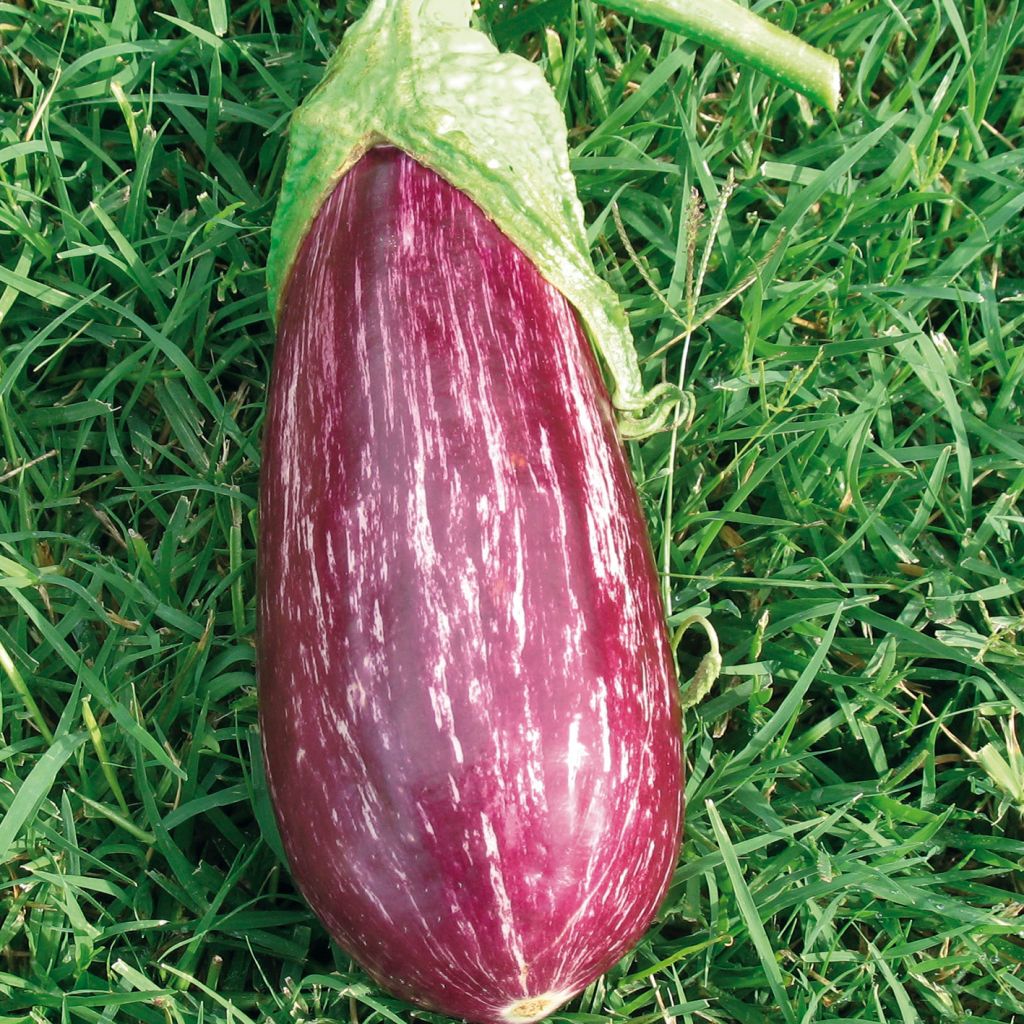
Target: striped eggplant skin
{"type": "Point", "coordinates": [469, 711]}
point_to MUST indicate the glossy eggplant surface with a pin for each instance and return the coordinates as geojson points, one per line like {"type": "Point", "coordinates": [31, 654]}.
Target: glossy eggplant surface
{"type": "Point", "coordinates": [469, 712]}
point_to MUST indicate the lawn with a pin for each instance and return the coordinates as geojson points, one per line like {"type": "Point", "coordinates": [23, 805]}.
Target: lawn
{"type": "Point", "coordinates": [841, 297]}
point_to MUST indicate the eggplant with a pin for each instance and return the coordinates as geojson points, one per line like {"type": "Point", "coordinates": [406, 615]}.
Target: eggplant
{"type": "Point", "coordinates": [469, 713]}
{"type": "Point", "coordinates": [468, 705]}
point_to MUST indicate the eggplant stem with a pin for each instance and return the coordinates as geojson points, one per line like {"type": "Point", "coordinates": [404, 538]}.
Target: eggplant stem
{"type": "Point", "coordinates": [747, 38]}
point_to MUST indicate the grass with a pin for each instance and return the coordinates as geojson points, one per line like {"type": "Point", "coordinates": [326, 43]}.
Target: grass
{"type": "Point", "coordinates": [845, 503]}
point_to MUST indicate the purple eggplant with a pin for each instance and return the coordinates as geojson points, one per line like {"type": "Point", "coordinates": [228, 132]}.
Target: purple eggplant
{"type": "Point", "coordinates": [469, 710]}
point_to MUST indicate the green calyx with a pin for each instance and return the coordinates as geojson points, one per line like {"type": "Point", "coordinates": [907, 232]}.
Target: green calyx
{"type": "Point", "coordinates": [412, 74]}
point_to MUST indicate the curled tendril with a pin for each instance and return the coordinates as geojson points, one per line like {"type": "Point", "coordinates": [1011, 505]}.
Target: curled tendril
{"type": "Point", "coordinates": [710, 667]}
{"type": "Point", "coordinates": [665, 407]}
